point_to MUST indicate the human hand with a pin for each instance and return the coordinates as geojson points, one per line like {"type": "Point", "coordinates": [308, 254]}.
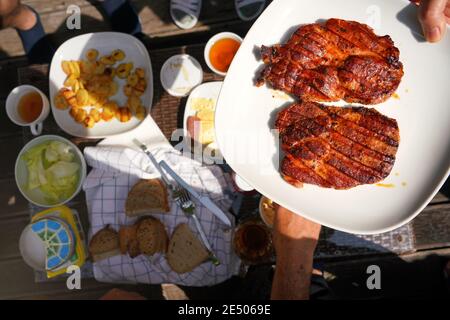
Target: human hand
{"type": "Point", "coordinates": [434, 15]}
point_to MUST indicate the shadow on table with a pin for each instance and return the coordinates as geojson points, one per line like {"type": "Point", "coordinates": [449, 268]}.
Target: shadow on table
{"type": "Point", "coordinates": [446, 188]}
{"type": "Point", "coordinates": [347, 279]}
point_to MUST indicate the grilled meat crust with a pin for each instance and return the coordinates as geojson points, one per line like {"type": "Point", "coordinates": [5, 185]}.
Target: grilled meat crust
{"type": "Point", "coordinates": [336, 147]}
{"type": "Point", "coordinates": [339, 60]}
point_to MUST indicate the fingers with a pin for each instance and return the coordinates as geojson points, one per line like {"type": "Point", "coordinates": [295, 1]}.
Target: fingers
{"type": "Point", "coordinates": [432, 19]}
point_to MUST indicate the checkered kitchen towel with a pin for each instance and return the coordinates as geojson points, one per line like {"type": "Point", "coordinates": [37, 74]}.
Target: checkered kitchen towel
{"type": "Point", "coordinates": [115, 171]}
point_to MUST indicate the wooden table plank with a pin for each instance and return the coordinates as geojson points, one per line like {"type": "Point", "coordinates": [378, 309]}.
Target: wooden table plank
{"type": "Point", "coordinates": [154, 15]}
{"type": "Point", "coordinates": [432, 227]}
{"type": "Point", "coordinates": [17, 281]}
{"type": "Point", "coordinates": [417, 275]}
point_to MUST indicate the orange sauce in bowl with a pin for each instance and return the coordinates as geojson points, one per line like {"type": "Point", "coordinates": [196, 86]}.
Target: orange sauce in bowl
{"type": "Point", "coordinates": [222, 53]}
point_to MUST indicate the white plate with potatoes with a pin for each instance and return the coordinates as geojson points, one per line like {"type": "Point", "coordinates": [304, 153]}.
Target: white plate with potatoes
{"type": "Point", "coordinates": [101, 84]}
{"type": "Point", "coordinates": [198, 122]}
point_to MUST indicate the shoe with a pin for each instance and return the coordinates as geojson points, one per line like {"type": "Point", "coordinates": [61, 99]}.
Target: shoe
{"type": "Point", "coordinates": [249, 9]}
{"type": "Point", "coordinates": [185, 13]}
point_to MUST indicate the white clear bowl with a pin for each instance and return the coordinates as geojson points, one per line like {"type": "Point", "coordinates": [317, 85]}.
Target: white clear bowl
{"type": "Point", "coordinates": [212, 41]}
{"type": "Point", "coordinates": [21, 172]}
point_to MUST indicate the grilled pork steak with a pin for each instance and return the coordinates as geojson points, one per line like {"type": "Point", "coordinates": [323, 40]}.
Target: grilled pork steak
{"type": "Point", "coordinates": [339, 60]}
{"type": "Point", "coordinates": [336, 147]}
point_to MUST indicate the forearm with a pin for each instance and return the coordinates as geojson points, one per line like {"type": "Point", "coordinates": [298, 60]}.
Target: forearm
{"type": "Point", "coordinates": [295, 240]}
{"type": "Point", "coordinates": [293, 272]}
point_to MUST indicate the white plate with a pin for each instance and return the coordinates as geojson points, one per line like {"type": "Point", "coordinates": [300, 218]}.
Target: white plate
{"type": "Point", "coordinates": [32, 249]}
{"type": "Point", "coordinates": [105, 43]}
{"type": "Point", "coordinates": [245, 114]}
{"type": "Point", "coordinates": [147, 132]}
{"type": "Point", "coordinates": [208, 90]}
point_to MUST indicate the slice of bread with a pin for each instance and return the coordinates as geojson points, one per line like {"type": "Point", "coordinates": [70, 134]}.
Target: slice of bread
{"type": "Point", "coordinates": [185, 252]}
{"type": "Point", "coordinates": [128, 241]}
{"type": "Point", "coordinates": [151, 236]}
{"type": "Point", "coordinates": [147, 196]}
{"type": "Point", "coordinates": [104, 244]}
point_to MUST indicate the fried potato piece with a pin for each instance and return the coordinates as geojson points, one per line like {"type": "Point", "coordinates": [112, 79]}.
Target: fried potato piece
{"type": "Point", "coordinates": [141, 85]}
{"type": "Point", "coordinates": [140, 73]}
{"type": "Point", "coordinates": [95, 114]}
{"type": "Point", "coordinates": [107, 60]}
{"type": "Point", "coordinates": [74, 68]}
{"type": "Point", "coordinates": [118, 55]}
{"type": "Point", "coordinates": [132, 79]}
{"type": "Point", "coordinates": [133, 103]}
{"type": "Point", "coordinates": [128, 90]}
{"type": "Point", "coordinates": [92, 54]}
{"type": "Point", "coordinates": [99, 68]}
{"type": "Point", "coordinates": [123, 114]}
{"type": "Point", "coordinates": [113, 88]}
{"type": "Point", "coordinates": [107, 115]}
{"type": "Point", "coordinates": [60, 101]}
{"type": "Point", "coordinates": [65, 67]}
{"type": "Point", "coordinates": [71, 98]}
{"type": "Point", "coordinates": [70, 80]}
{"type": "Point", "coordinates": [123, 70]}
{"type": "Point", "coordinates": [78, 114]}
{"type": "Point", "coordinates": [89, 122]}
{"type": "Point", "coordinates": [141, 112]}
{"type": "Point", "coordinates": [90, 82]}
{"type": "Point", "coordinates": [82, 97]}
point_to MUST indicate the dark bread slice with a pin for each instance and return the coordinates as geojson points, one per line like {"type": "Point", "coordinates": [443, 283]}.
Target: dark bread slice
{"type": "Point", "coordinates": [128, 241]}
{"type": "Point", "coordinates": [151, 236]}
{"type": "Point", "coordinates": [147, 196]}
{"type": "Point", "coordinates": [185, 251]}
{"type": "Point", "coordinates": [104, 244]}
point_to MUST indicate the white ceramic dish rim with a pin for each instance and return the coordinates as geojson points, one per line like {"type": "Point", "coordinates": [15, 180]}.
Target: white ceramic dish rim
{"type": "Point", "coordinates": [182, 56]}
{"type": "Point", "coordinates": [150, 79]}
{"type": "Point", "coordinates": [211, 42]}
{"type": "Point", "coordinates": [188, 112]}
{"type": "Point", "coordinates": [437, 182]}
{"type": "Point", "coordinates": [77, 152]}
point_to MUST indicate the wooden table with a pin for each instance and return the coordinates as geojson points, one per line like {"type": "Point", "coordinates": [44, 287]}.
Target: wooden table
{"type": "Point", "coordinates": [168, 114]}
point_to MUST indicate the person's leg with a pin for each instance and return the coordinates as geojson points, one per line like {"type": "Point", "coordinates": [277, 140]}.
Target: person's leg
{"type": "Point", "coordinates": [15, 15]}
{"type": "Point", "coordinates": [123, 17]}
{"type": "Point", "coordinates": [27, 23]}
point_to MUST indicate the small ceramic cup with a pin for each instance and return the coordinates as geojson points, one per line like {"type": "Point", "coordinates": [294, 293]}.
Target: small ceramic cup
{"type": "Point", "coordinates": [12, 103]}
{"type": "Point", "coordinates": [212, 41]}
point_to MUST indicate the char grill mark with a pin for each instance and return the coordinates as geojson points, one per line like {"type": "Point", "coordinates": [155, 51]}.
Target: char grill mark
{"type": "Point", "coordinates": [340, 60]}
{"type": "Point", "coordinates": [336, 147]}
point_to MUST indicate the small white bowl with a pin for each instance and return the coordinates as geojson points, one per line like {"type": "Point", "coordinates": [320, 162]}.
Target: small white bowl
{"type": "Point", "coordinates": [180, 74]}
{"type": "Point", "coordinates": [212, 41]}
{"type": "Point", "coordinates": [267, 220]}
{"type": "Point", "coordinates": [21, 172]}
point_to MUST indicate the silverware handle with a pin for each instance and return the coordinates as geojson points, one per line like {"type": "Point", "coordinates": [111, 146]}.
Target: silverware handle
{"type": "Point", "coordinates": [205, 241]}
{"type": "Point", "coordinates": [157, 166]}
